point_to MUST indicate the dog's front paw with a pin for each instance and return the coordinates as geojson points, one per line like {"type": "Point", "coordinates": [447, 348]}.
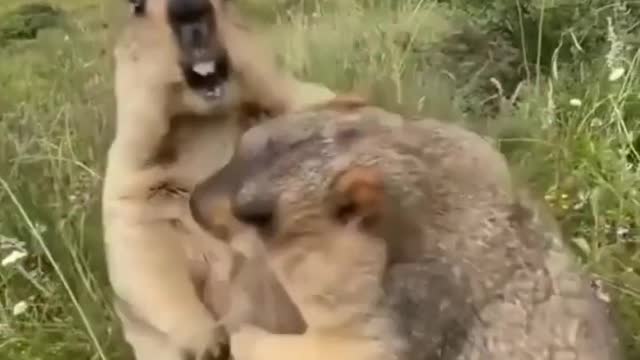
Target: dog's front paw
{"type": "Point", "coordinates": [244, 342]}
{"type": "Point", "coordinates": [211, 344]}
{"type": "Point", "coordinates": [220, 351]}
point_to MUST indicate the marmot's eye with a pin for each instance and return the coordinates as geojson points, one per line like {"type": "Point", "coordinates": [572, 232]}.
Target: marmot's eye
{"type": "Point", "coordinates": [255, 217]}
{"type": "Point", "coordinates": [258, 213]}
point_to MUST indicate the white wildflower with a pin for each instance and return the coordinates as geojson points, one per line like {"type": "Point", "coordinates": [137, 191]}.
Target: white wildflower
{"type": "Point", "coordinates": [575, 102]}
{"type": "Point", "coordinates": [13, 257]}
{"type": "Point", "coordinates": [19, 308]}
{"type": "Point", "coordinates": [616, 74]}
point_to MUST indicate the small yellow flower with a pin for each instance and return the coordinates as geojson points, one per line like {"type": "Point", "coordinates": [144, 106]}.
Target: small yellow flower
{"type": "Point", "coordinates": [616, 74]}
{"type": "Point", "coordinates": [19, 308]}
{"type": "Point", "coordinates": [13, 257]}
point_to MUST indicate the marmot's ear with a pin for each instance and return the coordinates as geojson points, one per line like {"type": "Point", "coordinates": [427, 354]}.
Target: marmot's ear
{"type": "Point", "coordinates": [359, 194]}
{"type": "Point", "coordinates": [138, 7]}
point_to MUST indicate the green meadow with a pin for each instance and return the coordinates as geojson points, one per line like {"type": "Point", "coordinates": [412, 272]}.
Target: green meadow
{"type": "Point", "coordinates": [554, 83]}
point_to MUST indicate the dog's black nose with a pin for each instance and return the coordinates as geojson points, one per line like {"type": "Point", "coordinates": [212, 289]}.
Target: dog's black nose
{"type": "Point", "coordinates": [193, 23]}
{"type": "Point", "coordinates": [188, 11]}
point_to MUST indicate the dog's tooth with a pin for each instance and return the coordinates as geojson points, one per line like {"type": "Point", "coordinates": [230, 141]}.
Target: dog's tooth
{"type": "Point", "coordinates": [205, 68]}
{"type": "Point", "coordinates": [215, 92]}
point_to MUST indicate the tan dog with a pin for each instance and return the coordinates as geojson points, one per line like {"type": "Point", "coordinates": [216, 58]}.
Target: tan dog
{"type": "Point", "coordinates": [189, 79]}
{"type": "Point", "coordinates": [401, 240]}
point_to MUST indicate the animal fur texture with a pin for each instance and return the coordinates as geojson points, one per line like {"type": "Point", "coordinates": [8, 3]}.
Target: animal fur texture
{"type": "Point", "coordinates": [189, 79]}
{"type": "Point", "coordinates": [402, 240]}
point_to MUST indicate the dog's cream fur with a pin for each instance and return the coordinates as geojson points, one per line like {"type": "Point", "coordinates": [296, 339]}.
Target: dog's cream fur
{"type": "Point", "coordinates": [167, 140]}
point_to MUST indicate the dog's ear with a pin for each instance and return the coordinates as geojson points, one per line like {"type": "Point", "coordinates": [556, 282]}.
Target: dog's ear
{"type": "Point", "coordinates": [138, 7]}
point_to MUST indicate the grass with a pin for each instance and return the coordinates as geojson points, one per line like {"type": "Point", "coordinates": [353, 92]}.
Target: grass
{"type": "Point", "coordinates": [554, 83]}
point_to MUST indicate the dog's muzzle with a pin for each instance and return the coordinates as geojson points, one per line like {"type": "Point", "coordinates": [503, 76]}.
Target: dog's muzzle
{"type": "Point", "coordinates": [203, 58]}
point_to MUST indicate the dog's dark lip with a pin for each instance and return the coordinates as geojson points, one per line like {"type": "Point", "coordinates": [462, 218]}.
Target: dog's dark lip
{"type": "Point", "coordinates": [209, 84]}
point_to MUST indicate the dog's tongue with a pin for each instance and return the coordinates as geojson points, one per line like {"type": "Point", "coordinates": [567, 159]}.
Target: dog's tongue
{"type": "Point", "coordinates": [204, 68]}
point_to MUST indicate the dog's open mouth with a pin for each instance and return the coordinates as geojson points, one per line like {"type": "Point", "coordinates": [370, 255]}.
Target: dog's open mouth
{"type": "Point", "coordinates": [208, 77]}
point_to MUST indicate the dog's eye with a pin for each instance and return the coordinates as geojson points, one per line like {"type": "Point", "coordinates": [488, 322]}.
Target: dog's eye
{"type": "Point", "coordinates": [138, 7]}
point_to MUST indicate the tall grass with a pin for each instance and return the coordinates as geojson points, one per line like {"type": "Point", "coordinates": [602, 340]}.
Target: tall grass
{"type": "Point", "coordinates": [554, 83]}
